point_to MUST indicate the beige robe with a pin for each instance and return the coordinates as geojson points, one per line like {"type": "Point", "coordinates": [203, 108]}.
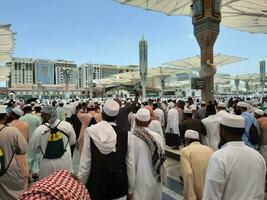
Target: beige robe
{"type": "Point", "coordinates": [23, 161]}
{"type": "Point", "coordinates": [11, 183]}
{"type": "Point", "coordinates": [194, 164]}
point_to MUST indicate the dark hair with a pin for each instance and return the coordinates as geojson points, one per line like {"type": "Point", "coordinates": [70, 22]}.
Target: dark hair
{"type": "Point", "coordinates": [3, 115]}
{"type": "Point", "coordinates": [188, 115]}
{"type": "Point", "coordinates": [27, 109]}
{"type": "Point", "coordinates": [108, 118]}
{"type": "Point", "coordinates": [38, 109]}
{"type": "Point", "coordinates": [231, 130]}
{"type": "Point", "coordinates": [210, 110]}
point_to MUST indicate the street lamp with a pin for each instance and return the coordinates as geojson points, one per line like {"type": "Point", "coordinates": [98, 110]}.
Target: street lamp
{"type": "Point", "coordinates": [206, 20]}
{"type": "Point", "coordinates": [66, 73]}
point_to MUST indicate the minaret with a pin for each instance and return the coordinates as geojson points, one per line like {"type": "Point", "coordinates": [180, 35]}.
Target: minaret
{"type": "Point", "coordinates": [262, 75]}
{"type": "Point", "coordinates": [143, 64]}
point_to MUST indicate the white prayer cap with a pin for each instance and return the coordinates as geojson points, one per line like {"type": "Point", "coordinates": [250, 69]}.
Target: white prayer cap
{"type": "Point", "coordinates": [171, 104]}
{"type": "Point", "coordinates": [232, 120]}
{"type": "Point", "coordinates": [203, 102]}
{"type": "Point", "coordinates": [188, 110]}
{"type": "Point", "coordinates": [27, 105]}
{"type": "Point", "coordinates": [17, 111]}
{"type": "Point", "coordinates": [222, 105]}
{"type": "Point", "coordinates": [111, 108]}
{"type": "Point", "coordinates": [191, 134]}
{"type": "Point", "coordinates": [243, 104]}
{"type": "Point", "coordinates": [143, 115]}
{"type": "Point", "coordinates": [259, 112]}
{"type": "Point", "coordinates": [3, 109]}
{"type": "Point", "coordinates": [61, 102]}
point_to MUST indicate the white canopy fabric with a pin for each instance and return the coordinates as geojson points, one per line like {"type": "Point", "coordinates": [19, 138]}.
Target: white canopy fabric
{"type": "Point", "coordinates": [162, 72]}
{"type": "Point", "coordinates": [244, 15]}
{"type": "Point", "coordinates": [193, 63]}
{"type": "Point", "coordinates": [6, 43]}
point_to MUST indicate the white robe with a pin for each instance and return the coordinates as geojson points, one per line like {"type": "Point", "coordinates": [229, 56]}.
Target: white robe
{"type": "Point", "coordinates": [48, 166]}
{"type": "Point", "coordinates": [156, 127]}
{"type": "Point", "coordinates": [235, 172]}
{"type": "Point", "coordinates": [146, 187]}
{"type": "Point", "coordinates": [173, 121]}
{"type": "Point", "coordinates": [160, 114]}
{"type": "Point", "coordinates": [212, 125]}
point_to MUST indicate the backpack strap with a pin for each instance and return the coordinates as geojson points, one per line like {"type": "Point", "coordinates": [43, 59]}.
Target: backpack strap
{"type": "Point", "coordinates": [3, 127]}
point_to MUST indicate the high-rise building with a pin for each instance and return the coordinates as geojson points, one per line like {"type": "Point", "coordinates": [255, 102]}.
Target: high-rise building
{"type": "Point", "coordinates": [65, 70]}
{"type": "Point", "coordinates": [44, 71]}
{"type": "Point", "coordinates": [99, 71]}
{"type": "Point", "coordinates": [22, 72]}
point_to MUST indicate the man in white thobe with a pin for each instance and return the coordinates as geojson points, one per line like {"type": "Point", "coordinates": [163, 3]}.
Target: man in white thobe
{"type": "Point", "coordinates": [147, 176]}
{"type": "Point", "coordinates": [221, 109]}
{"type": "Point", "coordinates": [236, 171]}
{"type": "Point", "coordinates": [40, 140]}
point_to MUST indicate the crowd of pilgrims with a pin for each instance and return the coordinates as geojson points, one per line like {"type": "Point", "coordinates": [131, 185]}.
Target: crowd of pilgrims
{"type": "Point", "coordinates": [121, 148]}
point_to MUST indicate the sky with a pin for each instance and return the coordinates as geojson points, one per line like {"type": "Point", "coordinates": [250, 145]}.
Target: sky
{"type": "Point", "coordinates": [104, 31]}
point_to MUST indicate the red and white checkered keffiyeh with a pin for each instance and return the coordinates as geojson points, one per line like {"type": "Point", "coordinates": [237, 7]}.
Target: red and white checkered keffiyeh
{"type": "Point", "coordinates": [61, 185]}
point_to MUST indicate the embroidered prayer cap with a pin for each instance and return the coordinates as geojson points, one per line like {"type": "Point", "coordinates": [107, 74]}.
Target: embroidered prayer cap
{"type": "Point", "coordinates": [17, 111]}
{"type": "Point", "coordinates": [111, 108]}
{"type": "Point", "coordinates": [143, 115]}
{"type": "Point", "coordinates": [222, 105]}
{"type": "Point", "coordinates": [243, 104]}
{"type": "Point", "coordinates": [233, 121]}
{"type": "Point", "coordinates": [191, 134]}
{"type": "Point", "coordinates": [259, 112]}
{"type": "Point", "coordinates": [3, 109]}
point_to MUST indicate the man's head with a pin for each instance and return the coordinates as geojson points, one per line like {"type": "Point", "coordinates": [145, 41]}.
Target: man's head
{"type": "Point", "coordinates": [258, 113]}
{"type": "Point", "coordinates": [221, 106]}
{"type": "Point", "coordinates": [27, 108]}
{"type": "Point", "coordinates": [190, 101]}
{"type": "Point", "coordinates": [210, 110]}
{"type": "Point", "coordinates": [203, 103]}
{"type": "Point", "coordinates": [242, 106]}
{"type": "Point", "coordinates": [111, 109]}
{"type": "Point", "coordinates": [49, 114]}
{"type": "Point", "coordinates": [191, 136]}
{"type": "Point", "coordinates": [91, 106]}
{"type": "Point", "coordinates": [143, 117]}
{"type": "Point", "coordinates": [188, 113]}
{"type": "Point", "coordinates": [60, 103]}
{"type": "Point", "coordinates": [232, 128]}
{"type": "Point", "coordinates": [16, 113]}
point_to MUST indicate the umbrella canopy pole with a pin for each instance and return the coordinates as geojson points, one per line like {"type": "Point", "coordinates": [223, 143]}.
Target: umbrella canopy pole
{"type": "Point", "coordinates": [206, 21]}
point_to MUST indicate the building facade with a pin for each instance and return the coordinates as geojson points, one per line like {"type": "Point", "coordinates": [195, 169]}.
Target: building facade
{"type": "Point", "coordinates": [64, 72]}
{"type": "Point", "coordinates": [22, 72]}
{"type": "Point", "coordinates": [90, 72]}
{"type": "Point", "coordinates": [44, 72]}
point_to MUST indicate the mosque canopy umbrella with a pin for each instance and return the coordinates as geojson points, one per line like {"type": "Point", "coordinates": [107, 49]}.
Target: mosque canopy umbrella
{"type": "Point", "coordinates": [6, 43]}
{"type": "Point", "coordinates": [193, 63]}
{"type": "Point", "coordinates": [244, 15]}
{"type": "Point", "coordinates": [153, 72]}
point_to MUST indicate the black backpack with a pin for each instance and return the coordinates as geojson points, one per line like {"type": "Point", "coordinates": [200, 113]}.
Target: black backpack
{"type": "Point", "coordinates": [55, 145]}
{"type": "Point", "coordinates": [3, 170]}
